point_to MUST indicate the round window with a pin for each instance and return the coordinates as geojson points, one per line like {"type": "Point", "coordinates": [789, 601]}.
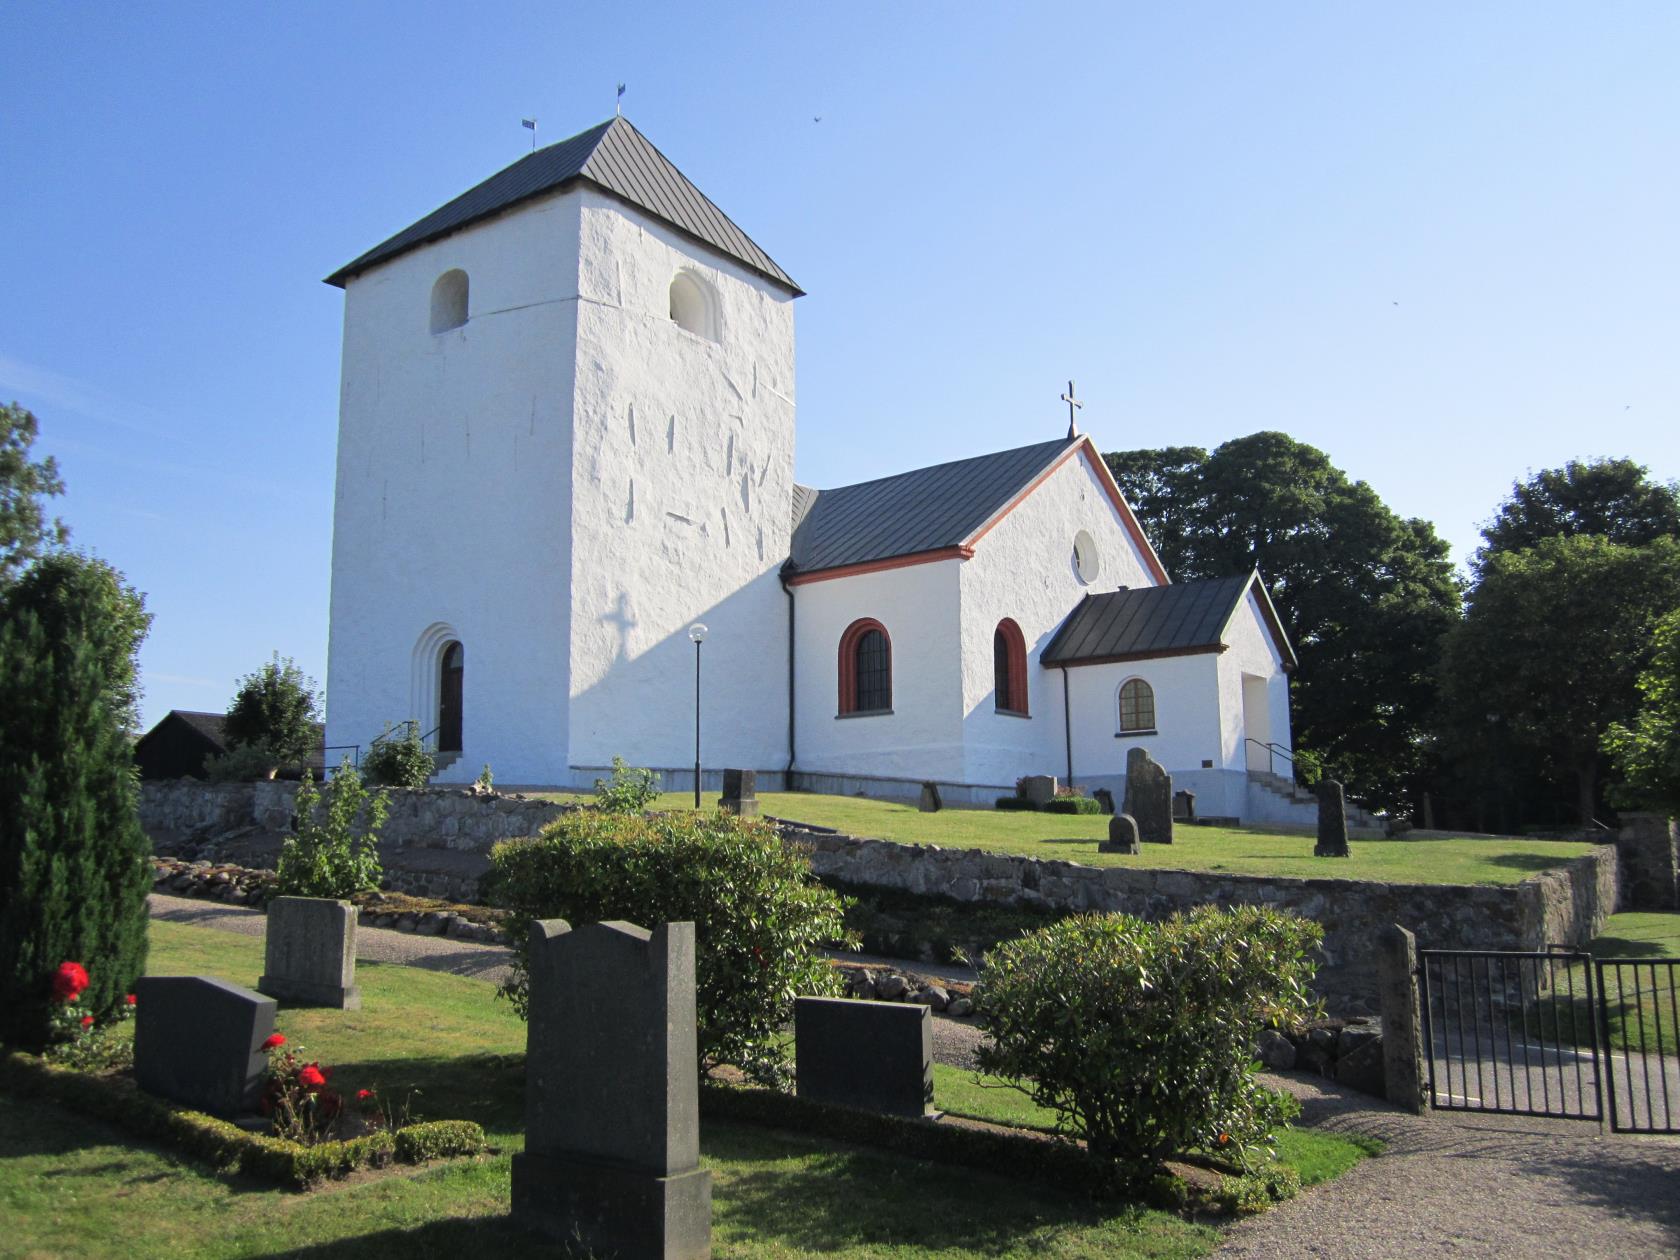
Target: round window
{"type": "Point", "coordinates": [1086, 562]}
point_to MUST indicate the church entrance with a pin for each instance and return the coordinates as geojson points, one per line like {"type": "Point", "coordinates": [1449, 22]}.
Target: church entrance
{"type": "Point", "coordinates": [449, 700]}
{"type": "Point", "coordinates": [1257, 723]}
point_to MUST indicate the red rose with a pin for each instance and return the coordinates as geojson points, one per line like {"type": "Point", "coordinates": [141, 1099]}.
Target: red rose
{"type": "Point", "coordinates": [362, 1095]}
{"type": "Point", "coordinates": [275, 1039]}
{"type": "Point", "coordinates": [310, 1077]}
{"type": "Point", "coordinates": [69, 981]}
{"type": "Point", "coordinates": [87, 1021]}
{"type": "Point", "coordinates": [131, 1000]}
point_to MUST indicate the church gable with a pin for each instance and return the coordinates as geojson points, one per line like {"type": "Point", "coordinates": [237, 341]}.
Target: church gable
{"type": "Point", "coordinates": [1185, 619]}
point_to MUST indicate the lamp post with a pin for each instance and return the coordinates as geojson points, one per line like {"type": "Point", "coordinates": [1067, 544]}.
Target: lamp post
{"type": "Point", "coordinates": [697, 632]}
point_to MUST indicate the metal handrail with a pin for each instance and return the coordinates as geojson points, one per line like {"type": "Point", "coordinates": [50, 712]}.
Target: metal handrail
{"type": "Point", "coordinates": [1273, 751]}
{"type": "Point", "coordinates": [399, 731]}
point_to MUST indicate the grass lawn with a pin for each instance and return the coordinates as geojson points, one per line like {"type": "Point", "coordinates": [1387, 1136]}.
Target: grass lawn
{"type": "Point", "coordinates": [71, 1186]}
{"type": "Point", "coordinates": [1237, 850]}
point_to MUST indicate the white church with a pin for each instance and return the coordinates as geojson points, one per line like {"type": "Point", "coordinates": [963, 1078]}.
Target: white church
{"type": "Point", "coordinates": [566, 437]}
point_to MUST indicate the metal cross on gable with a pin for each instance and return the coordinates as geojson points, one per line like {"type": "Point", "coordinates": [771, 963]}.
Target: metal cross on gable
{"type": "Point", "coordinates": [1073, 405]}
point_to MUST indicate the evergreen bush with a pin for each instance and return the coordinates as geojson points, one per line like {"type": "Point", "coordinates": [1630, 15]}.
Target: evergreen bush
{"type": "Point", "coordinates": [242, 764]}
{"type": "Point", "coordinates": [333, 850]}
{"type": "Point", "coordinates": [1140, 1036]}
{"type": "Point", "coordinates": [630, 790]}
{"type": "Point", "coordinates": [759, 917]}
{"type": "Point", "coordinates": [1072, 805]}
{"type": "Point", "coordinates": [74, 863]}
{"type": "Point", "coordinates": [399, 758]}
{"type": "Point", "coordinates": [1015, 803]}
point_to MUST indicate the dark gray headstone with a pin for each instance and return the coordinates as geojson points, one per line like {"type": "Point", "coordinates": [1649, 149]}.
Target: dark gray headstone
{"type": "Point", "coordinates": [1122, 835]}
{"type": "Point", "coordinates": [1332, 821]}
{"type": "Point", "coordinates": [1105, 798]}
{"type": "Point", "coordinates": [612, 1127]}
{"type": "Point", "coordinates": [1184, 806]}
{"type": "Point", "coordinates": [1040, 789]}
{"type": "Point", "coordinates": [740, 793]}
{"type": "Point", "coordinates": [876, 1056]}
{"type": "Point", "coordinates": [1149, 797]}
{"type": "Point", "coordinates": [309, 953]}
{"type": "Point", "coordinates": [198, 1041]}
{"type": "Point", "coordinates": [932, 802]}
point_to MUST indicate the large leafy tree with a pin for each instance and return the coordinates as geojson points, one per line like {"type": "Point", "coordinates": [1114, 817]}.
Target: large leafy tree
{"type": "Point", "coordinates": [1550, 653]}
{"type": "Point", "coordinates": [1608, 498]}
{"type": "Point", "coordinates": [275, 709]}
{"type": "Point", "coordinates": [25, 530]}
{"type": "Point", "coordinates": [1365, 595]}
{"type": "Point", "coordinates": [1647, 746]}
{"type": "Point", "coordinates": [73, 859]}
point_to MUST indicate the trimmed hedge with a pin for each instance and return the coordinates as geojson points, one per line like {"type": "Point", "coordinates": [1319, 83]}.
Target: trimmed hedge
{"type": "Point", "coordinates": [1072, 805]}
{"type": "Point", "coordinates": [223, 1145]}
{"type": "Point", "coordinates": [1015, 802]}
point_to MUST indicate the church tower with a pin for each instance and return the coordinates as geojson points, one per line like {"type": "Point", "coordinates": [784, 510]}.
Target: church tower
{"type": "Point", "coordinates": [565, 435]}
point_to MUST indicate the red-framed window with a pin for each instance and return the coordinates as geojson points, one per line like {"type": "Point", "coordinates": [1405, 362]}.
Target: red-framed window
{"type": "Point", "coordinates": [1009, 668]}
{"type": "Point", "coordinates": [865, 668]}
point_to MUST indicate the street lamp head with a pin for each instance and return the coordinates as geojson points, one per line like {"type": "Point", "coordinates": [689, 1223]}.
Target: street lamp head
{"type": "Point", "coordinates": [697, 632]}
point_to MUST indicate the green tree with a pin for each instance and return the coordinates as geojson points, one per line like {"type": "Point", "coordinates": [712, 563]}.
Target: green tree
{"type": "Point", "coordinates": [1550, 653]}
{"type": "Point", "coordinates": [1647, 748]}
{"type": "Point", "coordinates": [25, 531]}
{"type": "Point", "coordinates": [1611, 498]}
{"type": "Point", "coordinates": [275, 708]}
{"type": "Point", "coordinates": [333, 850]}
{"type": "Point", "coordinates": [74, 869]}
{"type": "Point", "coordinates": [1366, 596]}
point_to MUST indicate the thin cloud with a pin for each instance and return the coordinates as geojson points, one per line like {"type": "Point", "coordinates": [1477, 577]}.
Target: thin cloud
{"type": "Point", "coordinates": [66, 393]}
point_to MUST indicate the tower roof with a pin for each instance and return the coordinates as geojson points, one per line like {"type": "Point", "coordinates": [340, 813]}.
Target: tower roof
{"type": "Point", "coordinates": [613, 157]}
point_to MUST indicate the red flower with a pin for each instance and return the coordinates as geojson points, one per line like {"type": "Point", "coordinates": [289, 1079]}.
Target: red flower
{"type": "Point", "coordinates": [132, 1000]}
{"type": "Point", "coordinates": [275, 1039]}
{"type": "Point", "coordinates": [362, 1095]}
{"type": "Point", "coordinates": [69, 981]}
{"type": "Point", "coordinates": [310, 1077]}
{"type": "Point", "coordinates": [87, 1021]}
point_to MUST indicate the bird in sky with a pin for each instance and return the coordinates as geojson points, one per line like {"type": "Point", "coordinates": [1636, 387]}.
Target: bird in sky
{"type": "Point", "coordinates": [817, 119]}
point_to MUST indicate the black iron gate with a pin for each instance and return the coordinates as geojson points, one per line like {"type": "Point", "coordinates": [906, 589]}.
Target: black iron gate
{"type": "Point", "coordinates": [1557, 1034]}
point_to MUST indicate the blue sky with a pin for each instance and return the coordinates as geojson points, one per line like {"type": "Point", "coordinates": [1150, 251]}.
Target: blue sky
{"type": "Point", "coordinates": [1437, 241]}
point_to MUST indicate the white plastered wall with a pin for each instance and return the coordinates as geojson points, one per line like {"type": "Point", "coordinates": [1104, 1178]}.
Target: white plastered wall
{"type": "Point", "coordinates": [1251, 651]}
{"type": "Point", "coordinates": [682, 481]}
{"type": "Point", "coordinates": [452, 502]}
{"type": "Point", "coordinates": [1187, 726]}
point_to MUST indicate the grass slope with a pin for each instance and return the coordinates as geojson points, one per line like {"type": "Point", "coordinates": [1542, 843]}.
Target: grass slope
{"type": "Point", "coordinates": [1234, 850]}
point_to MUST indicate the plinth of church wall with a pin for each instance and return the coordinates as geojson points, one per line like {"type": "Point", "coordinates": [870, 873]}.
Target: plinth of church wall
{"type": "Point", "coordinates": [922, 736]}
{"type": "Point", "coordinates": [1023, 569]}
{"type": "Point", "coordinates": [682, 477]}
{"type": "Point", "coordinates": [452, 505]}
{"type": "Point", "coordinates": [1565, 905]}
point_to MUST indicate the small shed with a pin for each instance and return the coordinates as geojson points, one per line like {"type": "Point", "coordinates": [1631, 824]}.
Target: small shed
{"type": "Point", "coordinates": [182, 741]}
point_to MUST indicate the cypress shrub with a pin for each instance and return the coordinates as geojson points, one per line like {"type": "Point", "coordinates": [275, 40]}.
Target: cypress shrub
{"type": "Point", "coordinates": [73, 859]}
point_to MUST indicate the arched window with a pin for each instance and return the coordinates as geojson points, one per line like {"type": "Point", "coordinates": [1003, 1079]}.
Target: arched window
{"type": "Point", "coordinates": [1137, 707]}
{"type": "Point", "coordinates": [865, 668]}
{"type": "Point", "coordinates": [449, 301]}
{"type": "Point", "coordinates": [692, 305]}
{"type": "Point", "coordinates": [452, 673]}
{"type": "Point", "coordinates": [1009, 668]}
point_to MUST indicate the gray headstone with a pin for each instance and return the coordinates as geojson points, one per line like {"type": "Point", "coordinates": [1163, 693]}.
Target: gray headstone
{"type": "Point", "coordinates": [612, 1126]}
{"type": "Point", "coordinates": [1402, 1024]}
{"type": "Point", "coordinates": [1105, 798]}
{"type": "Point", "coordinates": [1040, 789]}
{"type": "Point", "coordinates": [1149, 797]}
{"type": "Point", "coordinates": [309, 955]}
{"type": "Point", "coordinates": [1332, 821]}
{"type": "Point", "coordinates": [1122, 835]}
{"type": "Point", "coordinates": [932, 802]}
{"type": "Point", "coordinates": [1184, 806]}
{"type": "Point", "coordinates": [198, 1041]}
{"type": "Point", "coordinates": [876, 1056]}
{"type": "Point", "coordinates": [740, 793]}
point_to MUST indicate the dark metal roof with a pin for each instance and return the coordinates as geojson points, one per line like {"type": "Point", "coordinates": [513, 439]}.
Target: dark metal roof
{"type": "Point", "coordinates": [1174, 620]}
{"type": "Point", "coordinates": [615, 158]}
{"type": "Point", "coordinates": [929, 509]}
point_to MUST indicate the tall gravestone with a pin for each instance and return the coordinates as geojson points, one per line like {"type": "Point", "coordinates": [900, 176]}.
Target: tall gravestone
{"type": "Point", "coordinates": [1149, 797]}
{"type": "Point", "coordinates": [612, 1095]}
{"type": "Point", "coordinates": [1332, 820]}
{"type": "Point", "coordinates": [1040, 789]}
{"type": "Point", "coordinates": [1104, 798]}
{"type": "Point", "coordinates": [877, 1056]}
{"type": "Point", "coordinates": [740, 793]}
{"type": "Point", "coordinates": [931, 801]}
{"type": "Point", "coordinates": [1122, 835]}
{"type": "Point", "coordinates": [198, 1041]}
{"type": "Point", "coordinates": [309, 952]}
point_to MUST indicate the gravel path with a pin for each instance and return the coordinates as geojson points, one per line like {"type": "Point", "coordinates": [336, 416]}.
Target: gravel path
{"type": "Point", "coordinates": [1473, 1185]}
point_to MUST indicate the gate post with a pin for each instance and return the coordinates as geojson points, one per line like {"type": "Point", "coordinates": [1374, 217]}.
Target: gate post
{"type": "Point", "coordinates": [1402, 1041]}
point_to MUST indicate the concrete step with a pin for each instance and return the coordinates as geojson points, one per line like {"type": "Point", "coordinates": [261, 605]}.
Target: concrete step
{"type": "Point", "coordinates": [443, 760]}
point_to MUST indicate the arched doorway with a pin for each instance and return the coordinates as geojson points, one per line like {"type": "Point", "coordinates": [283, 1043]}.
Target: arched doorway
{"type": "Point", "coordinates": [449, 699]}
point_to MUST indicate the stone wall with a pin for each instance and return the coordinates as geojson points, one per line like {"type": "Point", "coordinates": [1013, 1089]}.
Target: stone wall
{"type": "Point", "coordinates": [1650, 849]}
{"type": "Point", "coordinates": [1563, 906]}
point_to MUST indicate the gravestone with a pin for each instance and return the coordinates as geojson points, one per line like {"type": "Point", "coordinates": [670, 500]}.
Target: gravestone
{"type": "Point", "coordinates": [611, 1164]}
{"type": "Point", "coordinates": [1332, 821]}
{"type": "Point", "coordinates": [1104, 798]}
{"type": "Point", "coordinates": [309, 954]}
{"type": "Point", "coordinates": [876, 1056]}
{"type": "Point", "coordinates": [1149, 797]}
{"type": "Point", "coordinates": [740, 793]}
{"type": "Point", "coordinates": [198, 1041]}
{"type": "Point", "coordinates": [1184, 806]}
{"type": "Point", "coordinates": [932, 802]}
{"type": "Point", "coordinates": [1040, 789]}
{"type": "Point", "coordinates": [1122, 835]}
